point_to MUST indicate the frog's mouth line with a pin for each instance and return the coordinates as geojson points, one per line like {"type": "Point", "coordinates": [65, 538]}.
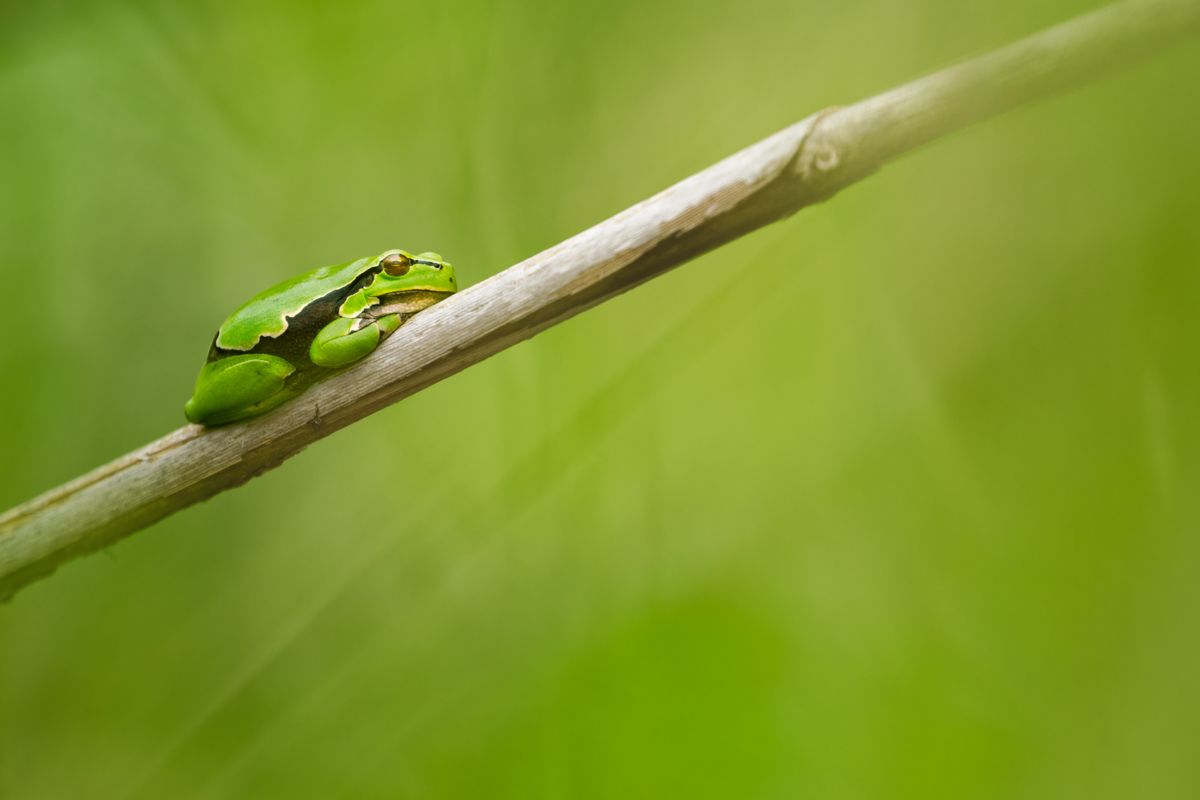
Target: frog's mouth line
{"type": "Point", "coordinates": [409, 301]}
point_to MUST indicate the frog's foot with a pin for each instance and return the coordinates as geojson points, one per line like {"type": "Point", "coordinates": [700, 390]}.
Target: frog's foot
{"type": "Point", "coordinates": [237, 387]}
{"type": "Point", "coordinates": [345, 340]}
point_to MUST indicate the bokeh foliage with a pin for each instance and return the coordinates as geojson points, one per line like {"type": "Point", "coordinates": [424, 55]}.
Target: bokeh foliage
{"type": "Point", "coordinates": [895, 499]}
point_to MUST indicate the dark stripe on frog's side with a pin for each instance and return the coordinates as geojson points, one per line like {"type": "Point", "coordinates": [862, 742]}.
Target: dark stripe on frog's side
{"type": "Point", "coordinates": [302, 327]}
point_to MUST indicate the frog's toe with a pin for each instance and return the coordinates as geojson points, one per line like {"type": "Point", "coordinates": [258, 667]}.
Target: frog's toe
{"type": "Point", "coordinates": [193, 410]}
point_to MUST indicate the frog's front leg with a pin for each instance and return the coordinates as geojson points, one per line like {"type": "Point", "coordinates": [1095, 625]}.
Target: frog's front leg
{"type": "Point", "coordinates": [345, 341]}
{"type": "Point", "coordinates": [237, 387]}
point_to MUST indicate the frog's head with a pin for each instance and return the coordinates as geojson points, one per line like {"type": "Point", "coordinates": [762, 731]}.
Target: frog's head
{"type": "Point", "coordinates": [404, 272]}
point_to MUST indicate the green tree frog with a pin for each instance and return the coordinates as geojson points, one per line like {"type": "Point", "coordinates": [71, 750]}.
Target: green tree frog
{"type": "Point", "coordinates": [293, 334]}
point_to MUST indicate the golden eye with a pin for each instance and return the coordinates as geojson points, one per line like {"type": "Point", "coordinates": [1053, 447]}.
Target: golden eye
{"type": "Point", "coordinates": [396, 265]}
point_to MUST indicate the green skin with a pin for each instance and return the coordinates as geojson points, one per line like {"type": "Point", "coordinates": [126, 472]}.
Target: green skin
{"type": "Point", "coordinates": [293, 334]}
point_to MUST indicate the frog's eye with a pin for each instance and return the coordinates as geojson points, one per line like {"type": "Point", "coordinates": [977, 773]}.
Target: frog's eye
{"type": "Point", "coordinates": [396, 265]}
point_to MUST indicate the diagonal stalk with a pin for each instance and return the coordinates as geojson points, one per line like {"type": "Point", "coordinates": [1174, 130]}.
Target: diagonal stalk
{"type": "Point", "coordinates": [801, 165]}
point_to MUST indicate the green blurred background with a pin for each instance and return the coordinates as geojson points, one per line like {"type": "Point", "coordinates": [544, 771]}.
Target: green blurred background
{"type": "Point", "coordinates": [897, 498]}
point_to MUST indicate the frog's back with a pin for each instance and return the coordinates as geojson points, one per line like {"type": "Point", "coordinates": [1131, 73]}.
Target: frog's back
{"type": "Point", "coordinates": [266, 314]}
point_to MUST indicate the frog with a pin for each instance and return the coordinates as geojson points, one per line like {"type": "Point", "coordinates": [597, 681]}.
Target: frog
{"type": "Point", "coordinates": [285, 339]}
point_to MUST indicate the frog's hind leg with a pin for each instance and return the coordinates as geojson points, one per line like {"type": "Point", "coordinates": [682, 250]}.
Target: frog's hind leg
{"type": "Point", "coordinates": [237, 387]}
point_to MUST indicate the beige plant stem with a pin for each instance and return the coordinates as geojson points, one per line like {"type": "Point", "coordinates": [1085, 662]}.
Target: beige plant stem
{"type": "Point", "coordinates": [803, 164]}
